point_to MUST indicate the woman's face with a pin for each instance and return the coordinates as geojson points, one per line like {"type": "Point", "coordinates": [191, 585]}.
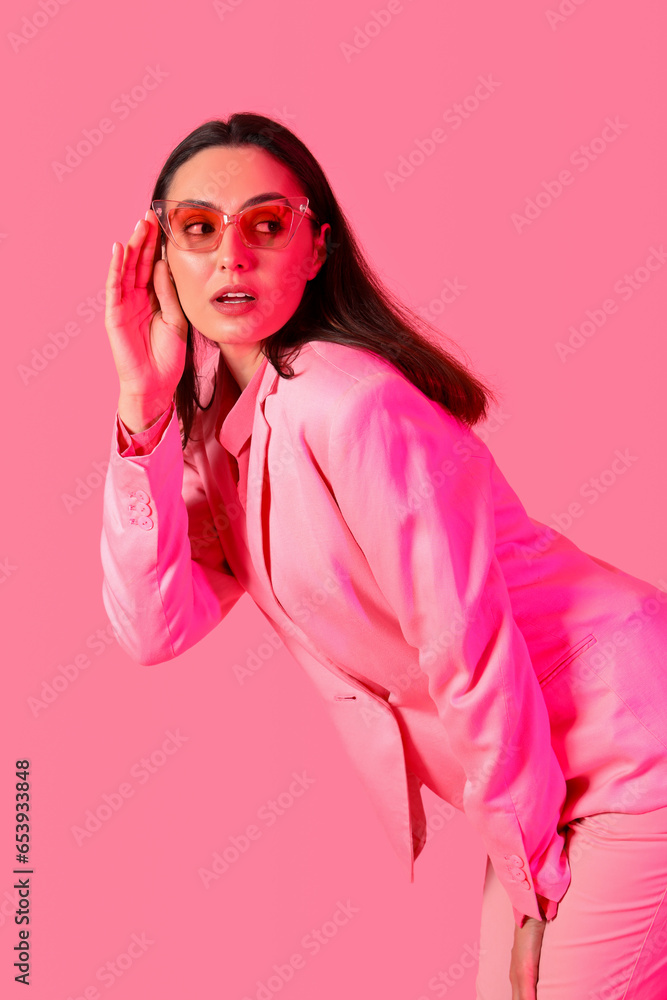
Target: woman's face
{"type": "Point", "coordinates": [227, 177]}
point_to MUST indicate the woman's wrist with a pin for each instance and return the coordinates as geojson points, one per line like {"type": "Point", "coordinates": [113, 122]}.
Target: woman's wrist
{"type": "Point", "coordinates": [139, 414]}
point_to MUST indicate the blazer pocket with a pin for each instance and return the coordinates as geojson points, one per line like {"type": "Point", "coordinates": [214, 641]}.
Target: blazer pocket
{"type": "Point", "coordinates": [572, 653]}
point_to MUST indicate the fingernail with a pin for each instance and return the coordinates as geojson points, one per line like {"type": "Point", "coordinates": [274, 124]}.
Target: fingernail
{"type": "Point", "coordinates": [113, 249]}
{"type": "Point", "coordinates": [146, 217]}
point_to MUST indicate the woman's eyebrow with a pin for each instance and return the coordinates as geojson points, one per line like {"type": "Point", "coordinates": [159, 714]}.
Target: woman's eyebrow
{"type": "Point", "coordinates": [255, 200]}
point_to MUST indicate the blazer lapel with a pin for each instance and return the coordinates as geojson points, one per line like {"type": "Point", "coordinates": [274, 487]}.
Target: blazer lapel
{"type": "Point", "coordinates": [257, 486]}
{"type": "Point", "coordinates": [365, 721]}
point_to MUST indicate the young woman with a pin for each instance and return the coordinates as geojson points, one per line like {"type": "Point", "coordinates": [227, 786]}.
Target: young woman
{"type": "Point", "coordinates": [284, 429]}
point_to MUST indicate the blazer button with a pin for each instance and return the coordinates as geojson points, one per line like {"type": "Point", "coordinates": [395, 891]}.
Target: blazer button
{"type": "Point", "coordinates": [141, 496]}
{"type": "Point", "coordinates": [514, 859]}
{"type": "Point", "coordinates": [140, 508]}
{"type": "Point", "coordinates": [144, 522]}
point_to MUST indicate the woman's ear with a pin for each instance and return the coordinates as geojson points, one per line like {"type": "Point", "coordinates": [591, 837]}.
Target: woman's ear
{"type": "Point", "coordinates": [322, 250]}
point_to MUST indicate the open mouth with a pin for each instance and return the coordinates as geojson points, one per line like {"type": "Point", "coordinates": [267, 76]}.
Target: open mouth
{"type": "Point", "coordinates": [231, 304]}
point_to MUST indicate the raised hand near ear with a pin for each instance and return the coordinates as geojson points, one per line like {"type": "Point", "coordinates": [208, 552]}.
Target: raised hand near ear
{"type": "Point", "coordinates": [146, 326]}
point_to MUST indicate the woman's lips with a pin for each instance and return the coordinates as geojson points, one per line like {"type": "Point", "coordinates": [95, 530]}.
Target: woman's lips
{"type": "Point", "coordinates": [234, 287]}
{"type": "Point", "coordinates": [230, 307]}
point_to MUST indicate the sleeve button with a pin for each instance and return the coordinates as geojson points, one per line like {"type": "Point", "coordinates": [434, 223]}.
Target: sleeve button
{"type": "Point", "coordinates": [514, 859]}
{"type": "Point", "coordinates": [144, 522]}
{"type": "Point", "coordinates": [140, 508]}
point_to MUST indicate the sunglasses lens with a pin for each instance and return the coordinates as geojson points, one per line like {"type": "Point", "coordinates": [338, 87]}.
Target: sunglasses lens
{"type": "Point", "coordinates": [196, 228]}
{"type": "Point", "coordinates": [266, 225]}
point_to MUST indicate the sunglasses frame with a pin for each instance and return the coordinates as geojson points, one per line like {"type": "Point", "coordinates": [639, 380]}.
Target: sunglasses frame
{"type": "Point", "coordinates": [298, 204]}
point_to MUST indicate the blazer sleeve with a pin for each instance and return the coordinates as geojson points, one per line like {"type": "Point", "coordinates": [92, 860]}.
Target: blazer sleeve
{"type": "Point", "coordinates": [160, 596]}
{"type": "Point", "coordinates": [423, 515]}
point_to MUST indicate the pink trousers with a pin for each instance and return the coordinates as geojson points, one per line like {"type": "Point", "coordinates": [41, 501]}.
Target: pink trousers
{"type": "Point", "coordinates": [609, 938]}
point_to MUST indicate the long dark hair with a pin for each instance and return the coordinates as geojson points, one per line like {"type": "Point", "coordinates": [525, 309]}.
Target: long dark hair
{"type": "Point", "coordinates": [345, 302]}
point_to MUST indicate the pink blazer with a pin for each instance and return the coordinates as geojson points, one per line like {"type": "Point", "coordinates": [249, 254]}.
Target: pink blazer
{"type": "Point", "coordinates": [458, 642]}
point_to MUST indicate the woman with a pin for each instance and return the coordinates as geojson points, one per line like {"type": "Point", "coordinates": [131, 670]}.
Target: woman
{"type": "Point", "coordinates": [284, 429]}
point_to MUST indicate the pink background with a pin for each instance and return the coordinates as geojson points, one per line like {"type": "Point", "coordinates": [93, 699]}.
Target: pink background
{"type": "Point", "coordinates": [362, 96]}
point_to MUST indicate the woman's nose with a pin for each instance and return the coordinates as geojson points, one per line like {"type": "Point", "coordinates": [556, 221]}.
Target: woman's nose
{"type": "Point", "coordinates": [232, 251]}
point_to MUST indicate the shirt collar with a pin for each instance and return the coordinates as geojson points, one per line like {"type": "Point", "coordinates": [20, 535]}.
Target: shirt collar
{"type": "Point", "coordinates": [239, 407]}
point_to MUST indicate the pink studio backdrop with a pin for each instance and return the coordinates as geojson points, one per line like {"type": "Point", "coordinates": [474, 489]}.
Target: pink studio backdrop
{"type": "Point", "coordinates": [504, 167]}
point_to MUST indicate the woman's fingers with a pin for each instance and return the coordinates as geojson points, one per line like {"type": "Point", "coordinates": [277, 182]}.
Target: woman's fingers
{"type": "Point", "coordinates": [112, 286]}
{"type": "Point", "coordinates": [170, 307]}
{"type": "Point", "coordinates": [147, 256]}
{"type": "Point", "coordinates": [128, 281]}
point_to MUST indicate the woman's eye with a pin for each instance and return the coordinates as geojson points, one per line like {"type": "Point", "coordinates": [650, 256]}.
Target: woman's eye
{"type": "Point", "coordinates": [272, 223]}
{"type": "Point", "coordinates": [191, 228]}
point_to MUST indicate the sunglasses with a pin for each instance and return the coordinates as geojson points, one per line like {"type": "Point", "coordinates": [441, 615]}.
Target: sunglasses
{"type": "Point", "coordinates": [269, 226]}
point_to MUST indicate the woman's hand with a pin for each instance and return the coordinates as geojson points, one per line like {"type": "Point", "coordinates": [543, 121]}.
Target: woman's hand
{"type": "Point", "coordinates": [524, 966]}
{"type": "Point", "coordinates": [146, 326]}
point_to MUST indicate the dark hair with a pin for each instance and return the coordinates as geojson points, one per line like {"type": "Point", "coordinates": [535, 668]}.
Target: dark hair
{"type": "Point", "coordinates": [345, 302]}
